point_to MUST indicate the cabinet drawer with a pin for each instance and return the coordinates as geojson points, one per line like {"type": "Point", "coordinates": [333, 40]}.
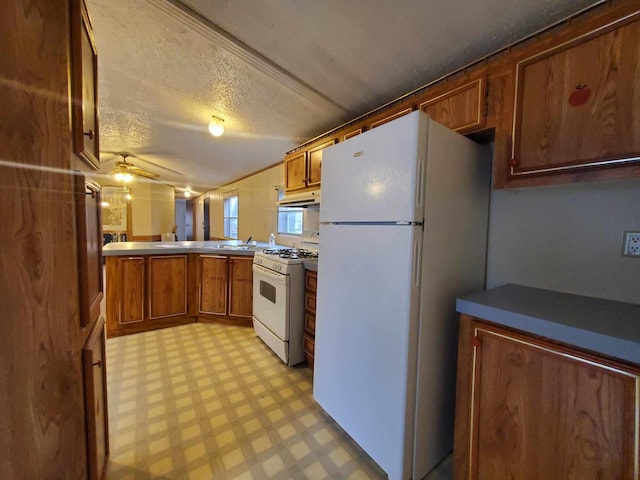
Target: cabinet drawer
{"type": "Point", "coordinates": [310, 323]}
{"type": "Point", "coordinates": [309, 345]}
{"type": "Point", "coordinates": [310, 302]}
{"type": "Point", "coordinates": [311, 281]}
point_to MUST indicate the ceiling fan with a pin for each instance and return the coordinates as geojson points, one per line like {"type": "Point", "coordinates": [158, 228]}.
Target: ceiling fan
{"type": "Point", "coordinates": [125, 170]}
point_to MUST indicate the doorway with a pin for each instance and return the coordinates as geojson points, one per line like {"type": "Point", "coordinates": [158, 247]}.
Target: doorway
{"type": "Point", "coordinates": [206, 220]}
{"type": "Point", "coordinates": [184, 219]}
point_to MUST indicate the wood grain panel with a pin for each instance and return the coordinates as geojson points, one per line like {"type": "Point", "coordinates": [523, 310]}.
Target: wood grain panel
{"type": "Point", "coordinates": [311, 280]}
{"type": "Point", "coordinates": [295, 171]}
{"type": "Point", "coordinates": [131, 289]}
{"type": "Point", "coordinates": [167, 286]}
{"type": "Point", "coordinates": [214, 278]}
{"type": "Point", "coordinates": [352, 133]}
{"type": "Point", "coordinates": [461, 109]}
{"type": "Point", "coordinates": [240, 286]}
{"type": "Point", "coordinates": [41, 393]}
{"type": "Point", "coordinates": [95, 384]}
{"type": "Point", "coordinates": [541, 411]}
{"type": "Point", "coordinates": [555, 132]}
{"type": "Point", "coordinates": [310, 323]}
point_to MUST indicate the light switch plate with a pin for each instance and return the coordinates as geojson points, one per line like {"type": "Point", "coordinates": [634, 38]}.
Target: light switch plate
{"type": "Point", "coordinates": [631, 247]}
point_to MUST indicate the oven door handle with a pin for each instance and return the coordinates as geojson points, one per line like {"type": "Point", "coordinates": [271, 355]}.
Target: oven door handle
{"type": "Point", "coordinates": [278, 277]}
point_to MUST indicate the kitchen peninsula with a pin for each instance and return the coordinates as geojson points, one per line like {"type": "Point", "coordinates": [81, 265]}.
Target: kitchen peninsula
{"type": "Point", "coordinates": [151, 285]}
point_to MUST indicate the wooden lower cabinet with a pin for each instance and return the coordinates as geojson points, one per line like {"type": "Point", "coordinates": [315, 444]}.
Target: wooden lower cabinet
{"type": "Point", "coordinates": [226, 287]}
{"type": "Point", "coordinates": [167, 286]}
{"type": "Point", "coordinates": [95, 384]}
{"type": "Point", "coordinates": [308, 340]}
{"type": "Point", "coordinates": [214, 278]}
{"type": "Point", "coordinates": [241, 287]}
{"type": "Point", "coordinates": [528, 408]}
{"type": "Point", "coordinates": [147, 292]}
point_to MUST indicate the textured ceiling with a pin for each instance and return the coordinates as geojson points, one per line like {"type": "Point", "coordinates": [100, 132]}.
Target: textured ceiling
{"type": "Point", "coordinates": [278, 71]}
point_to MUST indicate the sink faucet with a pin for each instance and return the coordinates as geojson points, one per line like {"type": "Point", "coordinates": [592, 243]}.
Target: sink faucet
{"type": "Point", "coordinates": [248, 239]}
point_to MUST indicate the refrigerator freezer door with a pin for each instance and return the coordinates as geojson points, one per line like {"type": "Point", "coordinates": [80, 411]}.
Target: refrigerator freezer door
{"type": "Point", "coordinates": [377, 176]}
{"type": "Point", "coordinates": [366, 337]}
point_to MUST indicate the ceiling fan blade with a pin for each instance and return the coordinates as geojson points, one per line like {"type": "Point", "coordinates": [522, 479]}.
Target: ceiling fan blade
{"type": "Point", "coordinates": [158, 166]}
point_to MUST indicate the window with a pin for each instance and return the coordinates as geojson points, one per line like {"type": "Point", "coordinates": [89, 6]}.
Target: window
{"type": "Point", "coordinates": [231, 217]}
{"type": "Point", "coordinates": [290, 220]}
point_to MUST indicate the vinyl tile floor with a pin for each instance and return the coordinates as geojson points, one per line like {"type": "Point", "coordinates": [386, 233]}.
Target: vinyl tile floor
{"type": "Point", "coordinates": [208, 401]}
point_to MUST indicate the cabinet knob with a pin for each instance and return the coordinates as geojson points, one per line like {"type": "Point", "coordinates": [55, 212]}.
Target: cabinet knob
{"type": "Point", "coordinates": [90, 134]}
{"type": "Point", "coordinates": [475, 342]}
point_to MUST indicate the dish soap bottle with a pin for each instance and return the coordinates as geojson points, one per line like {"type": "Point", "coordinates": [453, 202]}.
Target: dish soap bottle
{"type": "Point", "coordinates": [272, 240]}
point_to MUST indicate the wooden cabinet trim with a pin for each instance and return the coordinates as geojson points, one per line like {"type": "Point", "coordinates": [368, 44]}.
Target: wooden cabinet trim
{"type": "Point", "coordinates": [391, 117]}
{"type": "Point", "coordinates": [573, 165]}
{"type": "Point", "coordinates": [149, 286]}
{"type": "Point", "coordinates": [551, 348]}
{"type": "Point", "coordinates": [481, 84]}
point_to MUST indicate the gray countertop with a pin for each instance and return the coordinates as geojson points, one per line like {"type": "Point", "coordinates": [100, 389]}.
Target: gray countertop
{"type": "Point", "coordinates": [310, 265]}
{"type": "Point", "coordinates": [602, 326]}
{"type": "Point", "coordinates": [224, 247]}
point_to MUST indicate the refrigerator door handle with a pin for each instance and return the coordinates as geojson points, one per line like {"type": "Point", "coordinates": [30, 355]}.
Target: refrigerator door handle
{"type": "Point", "coordinates": [416, 262]}
{"type": "Point", "coordinates": [419, 183]}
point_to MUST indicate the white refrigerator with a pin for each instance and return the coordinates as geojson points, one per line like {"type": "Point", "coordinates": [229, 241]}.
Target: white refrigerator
{"type": "Point", "coordinates": [403, 223]}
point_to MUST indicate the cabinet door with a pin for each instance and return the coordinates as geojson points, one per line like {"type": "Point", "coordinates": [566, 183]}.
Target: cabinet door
{"type": "Point", "coordinates": [541, 411]}
{"type": "Point", "coordinates": [462, 109]}
{"type": "Point", "coordinates": [295, 172]}
{"type": "Point", "coordinates": [315, 164]}
{"type": "Point", "coordinates": [390, 117]}
{"type": "Point", "coordinates": [95, 389]}
{"type": "Point", "coordinates": [240, 286]}
{"type": "Point", "coordinates": [578, 105]}
{"type": "Point", "coordinates": [167, 286]}
{"type": "Point", "coordinates": [84, 86]}
{"type": "Point", "coordinates": [132, 292]}
{"type": "Point", "coordinates": [213, 284]}
{"type": "Point", "coordinates": [89, 247]}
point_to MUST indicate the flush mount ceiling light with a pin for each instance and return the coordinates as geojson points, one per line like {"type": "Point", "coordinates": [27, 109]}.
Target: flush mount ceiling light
{"type": "Point", "coordinates": [187, 193]}
{"type": "Point", "coordinates": [216, 126]}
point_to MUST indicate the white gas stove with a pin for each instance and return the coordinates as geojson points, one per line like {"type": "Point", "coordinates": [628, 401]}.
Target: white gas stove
{"type": "Point", "coordinates": [278, 298]}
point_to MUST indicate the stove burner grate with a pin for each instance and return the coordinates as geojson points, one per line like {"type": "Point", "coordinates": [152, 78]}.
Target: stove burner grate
{"type": "Point", "coordinates": [292, 253]}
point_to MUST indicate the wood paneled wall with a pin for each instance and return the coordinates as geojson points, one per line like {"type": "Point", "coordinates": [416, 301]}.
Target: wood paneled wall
{"type": "Point", "coordinates": [42, 432]}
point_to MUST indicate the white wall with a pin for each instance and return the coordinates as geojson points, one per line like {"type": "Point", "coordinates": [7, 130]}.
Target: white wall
{"type": "Point", "coordinates": [152, 208]}
{"type": "Point", "coordinates": [566, 238]}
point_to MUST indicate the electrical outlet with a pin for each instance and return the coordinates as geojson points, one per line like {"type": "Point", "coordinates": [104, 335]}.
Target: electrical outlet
{"type": "Point", "coordinates": [631, 244]}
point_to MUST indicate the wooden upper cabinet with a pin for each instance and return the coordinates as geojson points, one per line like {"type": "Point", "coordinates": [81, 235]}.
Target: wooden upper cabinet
{"type": "Point", "coordinates": [295, 171]}
{"type": "Point", "coordinates": [377, 121]}
{"type": "Point", "coordinates": [578, 104]}
{"type": "Point", "coordinates": [538, 410]}
{"type": "Point", "coordinates": [241, 286]}
{"type": "Point", "coordinates": [314, 163]}
{"type": "Point", "coordinates": [352, 133]}
{"type": "Point", "coordinates": [303, 170]}
{"type": "Point", "coordinates": [214, 278]}
{"type": "Point", "coordinates": [462, 109]}
{"type": "Point", "coordinates": [89, 248]}
{"type": "Point", "coordinates": [84, 86]}
{"type": "Point", "coordinates": [167, 286]}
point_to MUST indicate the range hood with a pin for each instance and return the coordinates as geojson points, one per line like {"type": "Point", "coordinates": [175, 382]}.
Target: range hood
{"type": "Point", "coordinates": [303, 199]}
